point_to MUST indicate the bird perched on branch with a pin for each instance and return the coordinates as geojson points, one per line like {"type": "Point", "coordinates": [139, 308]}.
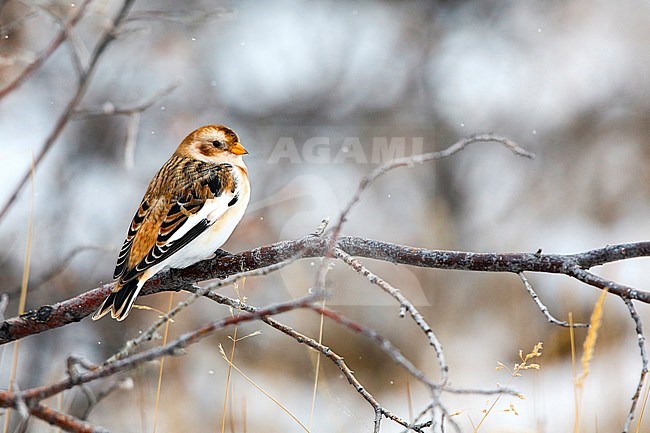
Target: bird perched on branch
{"type": "Point", "coordinates": [191, 207]}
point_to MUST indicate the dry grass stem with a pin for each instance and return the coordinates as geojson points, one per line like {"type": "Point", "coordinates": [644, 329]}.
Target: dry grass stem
{"type": "Point", "coordinates": [589, 344]}
{"type": "Point", "coordinates": [576, 394]}
{"type": "Point", "coordinates": [162, 367]}
{"type": "Point", "coordinates": [23, 289]}
{"type": "Point", "coordinates": [321, 327]}
{"type": "Point", "coordinates": [524, 365]}
{"type": "Point", "coordinates": [262, 390]}
{"type": "Point", "coordinates": [642, 410]}
{"type": "Point", "coordinates": [233, 338]}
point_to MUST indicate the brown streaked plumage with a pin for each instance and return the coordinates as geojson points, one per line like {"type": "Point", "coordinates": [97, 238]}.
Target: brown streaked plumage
{"type": "Point", "coordinates": [189, 210]}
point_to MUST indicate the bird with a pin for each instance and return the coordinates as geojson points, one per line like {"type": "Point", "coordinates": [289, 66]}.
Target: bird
{"type": "Point", "coordinates": [191, 207]}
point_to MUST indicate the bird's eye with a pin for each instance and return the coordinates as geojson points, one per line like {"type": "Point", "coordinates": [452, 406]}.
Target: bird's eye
{"type": "Point", "coordinates": [217, 143]}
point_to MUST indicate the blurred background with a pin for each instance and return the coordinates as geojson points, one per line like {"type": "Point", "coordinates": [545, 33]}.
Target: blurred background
{"type": "Point", "coordinates": [320, 92]}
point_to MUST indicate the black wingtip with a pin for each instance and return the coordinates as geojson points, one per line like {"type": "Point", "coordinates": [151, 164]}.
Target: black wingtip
{"type": "Point", "coordinates": [120, 302]}
{"type": "Point", "coordinates": [106, 306]}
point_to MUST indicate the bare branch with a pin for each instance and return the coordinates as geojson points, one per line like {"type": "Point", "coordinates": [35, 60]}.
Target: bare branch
{"type": "Point", "coordinates": [84, 81]}
{"type": "Point", "coordinates": [79, 52]}
{"type": "Point", "coordinates": [109, 109]}
{"type": "Point", "coordinates": [644, 362]}
{"type": "Point", "coordinates": [367, 332]}
{"type": "Point", "coordinates": [396, 355]}
{"type": "Point", "coordinates": [324, 350]}
{"type": "Point", "coordinates": [134, 113]}
{"type": "Point", "coordinates": [75, 309]}
{"type": "Point", "coordinates": [621, 290]}
{"type": "Point", "coordinates": [47, 52]}
{"type": "Point", "coordinates": [188, 17]}
{"type": "Point", "coordinates": [149, 333]}
{"type": "Point", "coordinates": [121, 384]}
{"type": "Point", "coordinates": [405, 304]}
{"type": "Point", "coordinates": [8, 399]}
{"type": "Point", "coordinates": [543, 307]}
{"type": "Point", "coordinates": [49, 415]}
{"type": "Point", "coordinates": [378, 416]}
{"type": "Point", "coordinates": [421, 159]}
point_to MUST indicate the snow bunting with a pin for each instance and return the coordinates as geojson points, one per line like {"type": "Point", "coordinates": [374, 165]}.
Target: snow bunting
{"type": "Point", "coordinates": [191, 207]}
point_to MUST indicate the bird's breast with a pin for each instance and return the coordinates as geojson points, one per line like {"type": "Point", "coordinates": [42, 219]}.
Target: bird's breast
{"type": "Point", "coordinates": [215, 236]}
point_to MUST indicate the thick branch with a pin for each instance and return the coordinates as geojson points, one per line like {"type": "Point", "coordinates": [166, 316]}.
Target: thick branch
{"type": "Point", "coordinates": [75, 309]}
{"type": "Point", "coordinates": [49, 415]}
{"type": "Point", "coordinates": [8, 399]}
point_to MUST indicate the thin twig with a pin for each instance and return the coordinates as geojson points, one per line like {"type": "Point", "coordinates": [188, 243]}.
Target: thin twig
{"type": "Point", "coordinates": [623, 291]}
{"type": "Point", "coordinates": [378, 416]}
{"type": "Point", "coordinates": [79, 52]}
{"type": "Point", "coordinates": [383, 343]}
{"type": "Point", "coordinates": [84, 81]}
{"type": "Point", "coordinates": [119, 385]}
{"type": "Point", "coordinates": [109, 109]}
{"type": "Point", "coordinates": [644, 362]}
{"type": "Point", "coordinates": [411, 161]}
{"type": "Point", "coordinates": [404, 304]}
{"type": "Point", "coordinates": [147, 335]}
{"type": "Point", "coordinates": [445, 415]}
{"type": "Point", "coordinates": [75, 361]}
{"type": "Point", "coordinates": [543, 307]}
{"type": "Point", "coordinates": [176, 347]}
{"type": "Point", "coordinates": [324, 350]}
{"type": "Point", "coordinates": [420, 416]}
{"type": "Point", "coordinates": [48, 414]}
{"type": "Point", "coordinates": [187, 17]}
{"type": "Point", "coordinates": [46, 53]}
{"type": "Point", "coordinates": [435, 388]}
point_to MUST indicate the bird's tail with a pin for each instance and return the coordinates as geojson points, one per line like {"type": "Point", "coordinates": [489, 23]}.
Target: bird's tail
{"type": "Point", "coordinates": [120, 301]}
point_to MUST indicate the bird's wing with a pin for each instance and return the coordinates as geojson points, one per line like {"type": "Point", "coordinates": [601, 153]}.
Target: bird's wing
{"type": "Point", "coordinates": [202, 195]}
{"type": "Point", "coordinates": [125, 252]}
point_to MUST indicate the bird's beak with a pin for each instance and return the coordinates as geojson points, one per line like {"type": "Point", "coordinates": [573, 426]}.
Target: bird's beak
{"type": "Point", "coordinates": [238, 149]}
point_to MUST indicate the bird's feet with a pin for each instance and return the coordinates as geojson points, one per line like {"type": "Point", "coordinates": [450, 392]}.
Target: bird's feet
{"type": "Point", "coordinates": [219, 254]}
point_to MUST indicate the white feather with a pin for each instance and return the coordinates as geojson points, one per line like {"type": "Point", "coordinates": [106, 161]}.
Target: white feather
{"type": "Point", "coordinates": [224, 219]}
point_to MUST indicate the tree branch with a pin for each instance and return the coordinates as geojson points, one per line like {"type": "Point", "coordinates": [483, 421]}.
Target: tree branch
{"type": "Point", "coordinates": [10, 399]}
{"type": "Point", "coordinates": [84, 81]}
{"type": "Point", "coordinates": [544, 309]}
{"type": "Point", "coordinates": [80, 306]}
{"type": "Point", "coordinates": [49, 415]}
{"type": "Point", "coordinates": [411, 161]}
{"type": "Point", "coordinates": [404, 304]}
{"type": "Point", "coordinates": [644, 363]}
{"type": "Point", "coordinates": [46, 53]}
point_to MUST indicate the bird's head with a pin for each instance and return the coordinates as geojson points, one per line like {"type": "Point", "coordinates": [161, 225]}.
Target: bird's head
{"type": "Point", "coordinates": [213, 143]}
